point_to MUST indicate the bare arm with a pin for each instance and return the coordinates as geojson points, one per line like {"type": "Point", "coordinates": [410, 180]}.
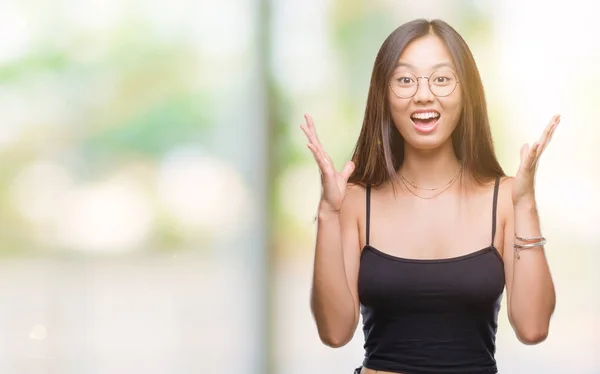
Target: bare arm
{"type": "Point", "coordinates": [529, 285]}
{"type": "Point", "coordinates": [334, 300]}
{"type": "Point", "coordinates": [334, 297]}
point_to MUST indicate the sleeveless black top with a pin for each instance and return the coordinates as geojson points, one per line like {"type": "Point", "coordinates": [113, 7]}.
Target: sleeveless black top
{"type": "Point", "coordinates": [431, 316]}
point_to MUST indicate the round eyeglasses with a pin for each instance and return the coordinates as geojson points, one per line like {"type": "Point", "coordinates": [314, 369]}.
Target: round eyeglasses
{"type": "Point", "coordinates": [441, 83]}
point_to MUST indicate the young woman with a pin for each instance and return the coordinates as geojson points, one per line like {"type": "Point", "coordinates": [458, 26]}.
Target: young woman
{"type": "Point", "coordinates": [422, 230]}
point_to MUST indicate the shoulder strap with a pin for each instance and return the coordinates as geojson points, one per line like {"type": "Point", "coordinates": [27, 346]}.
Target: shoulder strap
{"type": "Point", "coordinates": [494, 209]}
{"type": "Point", "coordinates": [368, 213]}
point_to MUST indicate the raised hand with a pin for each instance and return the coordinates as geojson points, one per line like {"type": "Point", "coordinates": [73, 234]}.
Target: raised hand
{"type": "Point", "coordinates": [523, 186]}
{"type": "Point", "coordinates": [333, 183]}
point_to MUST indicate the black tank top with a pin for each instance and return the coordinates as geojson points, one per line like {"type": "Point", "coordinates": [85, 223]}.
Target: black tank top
{"type": "Point", "coordinates": [431, 316]}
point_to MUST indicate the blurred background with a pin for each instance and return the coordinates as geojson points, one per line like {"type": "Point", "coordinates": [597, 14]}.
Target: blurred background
{"type": "Point", "coordinates": [156, 194]}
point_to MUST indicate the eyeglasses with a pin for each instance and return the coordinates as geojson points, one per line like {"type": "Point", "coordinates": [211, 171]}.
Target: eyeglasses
{"type": "Point", "coordinates": [441, 83]}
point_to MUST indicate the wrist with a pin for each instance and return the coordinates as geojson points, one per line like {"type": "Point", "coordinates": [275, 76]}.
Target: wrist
{"type": "Point", "coordinates": [326, 213]}
{"type": "Point", "coordinates": [525, 203]}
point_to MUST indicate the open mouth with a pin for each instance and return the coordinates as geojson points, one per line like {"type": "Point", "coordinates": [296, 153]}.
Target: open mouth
{"type": "Point", "coordinates": [425, 121]}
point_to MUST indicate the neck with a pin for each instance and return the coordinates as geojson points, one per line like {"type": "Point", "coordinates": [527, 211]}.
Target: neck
{"type": "Point", "coordinates": [432, 168]}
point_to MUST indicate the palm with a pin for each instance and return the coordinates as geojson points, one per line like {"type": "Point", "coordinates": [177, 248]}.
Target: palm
{"type": "Point", "coordinates": [333, 183]}
{"type": "Point", "coordinates": [523, 185]}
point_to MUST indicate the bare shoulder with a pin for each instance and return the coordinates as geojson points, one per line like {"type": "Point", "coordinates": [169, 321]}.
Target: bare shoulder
{"type": "Point", "coordinates": [505, 190]}
{"type": "Point", "coordinates": [505, 197]}
{"type": "Point", "coordinates": [507, 180]}
{"type": "Point", "coordinates": [504, 213]}
{"type": "Point", "coordinates": [354, 199]}
{"type": "Point", "coordinates": [352, 215]}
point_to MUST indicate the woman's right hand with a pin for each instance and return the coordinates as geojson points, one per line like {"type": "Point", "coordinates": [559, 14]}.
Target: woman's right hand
{"type": "Point", "coordinates": [333, 183]}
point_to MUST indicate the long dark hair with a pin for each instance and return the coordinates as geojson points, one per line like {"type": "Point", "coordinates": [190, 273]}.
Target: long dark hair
{"type": "Point", "coordinates": [379, 151]}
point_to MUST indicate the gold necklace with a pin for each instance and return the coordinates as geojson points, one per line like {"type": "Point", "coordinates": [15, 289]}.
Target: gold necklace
{"type": "Point", "coordinates": [430, 189]}
{"type": "Point", "coordinates": [435, 195]}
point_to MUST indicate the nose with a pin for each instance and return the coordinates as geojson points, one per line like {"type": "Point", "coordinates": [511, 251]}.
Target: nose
{"type": "Point", "coordinates": [424, 94]}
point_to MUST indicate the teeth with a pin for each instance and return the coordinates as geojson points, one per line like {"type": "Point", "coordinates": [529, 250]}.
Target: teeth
{"type": "Point", "coordinates": [426, 115]}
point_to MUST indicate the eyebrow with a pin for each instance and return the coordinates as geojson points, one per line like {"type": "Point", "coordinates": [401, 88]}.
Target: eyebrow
{"type": "Point", "coordinates": [436, 66]}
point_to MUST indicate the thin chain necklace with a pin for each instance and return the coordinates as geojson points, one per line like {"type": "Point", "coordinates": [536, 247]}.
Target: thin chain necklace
{"type": "Point", "coordinates": [431, 189]}
{"type": "Point", "coordinates": [448, 185]}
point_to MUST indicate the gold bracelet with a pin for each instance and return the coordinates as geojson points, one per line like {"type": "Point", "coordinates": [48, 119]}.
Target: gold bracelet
{"type": "Point", "coordinates": [519, 247]}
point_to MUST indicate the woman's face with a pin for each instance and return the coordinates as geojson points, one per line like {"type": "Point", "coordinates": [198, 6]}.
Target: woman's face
{"type": "Point", "coordinates": [425, 120]}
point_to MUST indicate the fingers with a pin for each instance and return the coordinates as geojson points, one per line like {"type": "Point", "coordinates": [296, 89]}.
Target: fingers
{"type": "Point", "coordinates": [532, 155]}
{"type": "Point", "coordinates": [310, 131]}
{"type": "Point", "coordinates": [524, 149]}
{"type": "Point", "coordinates": [321, 159]}
{"type": "Point", "coordinates": [548, 132]}
{"type": "Point", "coordinates": [310, 137]}
{"type": "Point", "coordinates": [348, 169]}
{"type": "Point", "coordinates": [529, 156]}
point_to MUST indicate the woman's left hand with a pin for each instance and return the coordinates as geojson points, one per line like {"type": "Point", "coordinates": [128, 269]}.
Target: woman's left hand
{"type": "Point", "coordinates": [523, 185]}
